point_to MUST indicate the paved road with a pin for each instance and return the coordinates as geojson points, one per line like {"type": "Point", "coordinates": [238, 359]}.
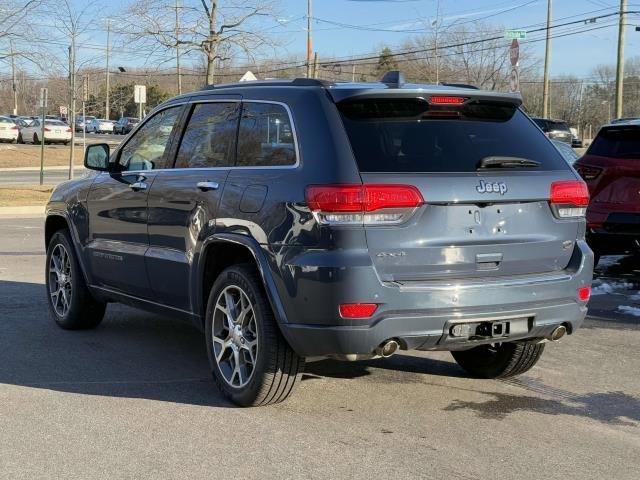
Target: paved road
{"type": "Point", "coordinates": [32, 176]}
{"type": "Point", "coordinates": [134, 399]}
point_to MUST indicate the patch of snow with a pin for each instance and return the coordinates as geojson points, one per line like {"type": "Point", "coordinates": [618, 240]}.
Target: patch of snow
{"type": "Point", "coordinates": [609, 260]}
{"type": "Point", "coordinates": [603, 288]}
{"type": "Point", "coordinates": [635, 311]}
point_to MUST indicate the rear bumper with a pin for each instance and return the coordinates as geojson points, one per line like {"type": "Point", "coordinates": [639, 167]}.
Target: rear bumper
{"type": "Point", "coordinates": [420, 316]}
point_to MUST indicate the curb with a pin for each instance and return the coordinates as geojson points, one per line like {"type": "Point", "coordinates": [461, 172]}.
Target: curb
{"type": "Point", "coordinates": [29, 211]}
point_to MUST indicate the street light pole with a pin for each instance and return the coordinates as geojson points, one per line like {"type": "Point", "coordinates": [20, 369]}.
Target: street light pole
{"type": "Point", "coordinates": [620, 67]}
{"type": "Point", "coordinates": [309, 37]}
{"type": "Point", "coordinates": [13, 80]}
{"type": "Point", "coordinates": [178, 49]}
{"type": "Point", "coordinates": [107, 106]}
{"type": "Point", "coordinates": [547, 61]}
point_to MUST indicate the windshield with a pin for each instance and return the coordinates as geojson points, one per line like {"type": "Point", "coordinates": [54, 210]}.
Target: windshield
{"type": "Point", "coordinates": [409, 135]}
{"type": "Point", "coordinates": [618, 142]}
{"type": "Point", "coordinates": [56, 123]}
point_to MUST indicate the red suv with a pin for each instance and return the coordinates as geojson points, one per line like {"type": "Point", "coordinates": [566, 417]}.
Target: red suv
{"type": "Point", "coordinates": [611, 168]}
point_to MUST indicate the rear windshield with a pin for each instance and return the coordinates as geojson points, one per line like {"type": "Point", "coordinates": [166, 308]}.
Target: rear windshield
{"type": "Point", "coordinates": [558, 126]}
{"type": "Point", "coordinates": [409, 135]}
{"type": "Point", "coordinates": [617, 142]}
{"type": "Point", "coordinates": [56, 123]}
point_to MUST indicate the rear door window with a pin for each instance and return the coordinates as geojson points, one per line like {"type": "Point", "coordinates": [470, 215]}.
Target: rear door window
{"type": "Point", "coordinates": [210, 137]}
{"type": "Point", "coordinates": [409, 135]}
{"type": "Point", "coordinates": [265, 137]}
{"type": "Point", "coordinates": [618, 142]}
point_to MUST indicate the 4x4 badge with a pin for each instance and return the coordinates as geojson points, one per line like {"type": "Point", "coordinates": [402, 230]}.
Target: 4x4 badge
{"type": "Point", "coordinates": [489, 187]}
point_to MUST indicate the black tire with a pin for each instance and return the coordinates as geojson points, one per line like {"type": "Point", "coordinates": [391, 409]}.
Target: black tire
{"type": "Point", "coordinates": [277, 368]}
{"type": "Point", "coordinates": [35, 139]}
{"type": "Point", "coordinates": [83, 310]}
{"type": "Point", "coordinates": [500, 360]}
{"type": "Point", "coordinates": [20, 139]}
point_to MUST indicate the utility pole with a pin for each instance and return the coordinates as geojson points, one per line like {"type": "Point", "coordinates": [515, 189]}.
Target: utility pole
{"type": "Point", "coordinates": [72, 112]}
{"type": "Point", "coordinates": [309, 37]}
{"type": "Point", "coordinates": [620, 69]}
{"type": "Point", "coordinates": [178, 49]}
{"type": "Point", "coordinates": [106, 106]}
{"type": "Point", "coordinates": [547, 61]}
{"type": "Point", "coordinates": [437, 25]}
{"type": "Point", "coordinates": [13, 80]}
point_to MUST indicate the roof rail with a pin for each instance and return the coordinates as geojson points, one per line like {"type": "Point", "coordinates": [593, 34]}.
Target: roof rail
{"type": "Point", "coordinates": [296, 82]}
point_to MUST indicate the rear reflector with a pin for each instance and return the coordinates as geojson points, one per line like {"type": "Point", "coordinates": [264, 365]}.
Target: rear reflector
{"type": "Point", "coordinates": [569, 198]}
{"type": "Point", "coordinates": [357, 310]}
{"type": "Point", "coordinates": [356, 204]}
{"type": "Point", "coordinates": [584, 293]}
{"type": "Point", "coordinates": [446, 100]}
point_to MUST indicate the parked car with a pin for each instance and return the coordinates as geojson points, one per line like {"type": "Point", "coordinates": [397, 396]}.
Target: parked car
{"type": "Point", "coordinates": [82, 123]}
{"type": "Point", "coordinates": [125, 125]}
{"type": "Point", "coordinates": [567, 152]}
{"type": "Point", "coordinates": [100, 125]}
{"type": "Point", "coordinates": [576, 141]}
{"type": "Point", "coordinates": [55, 131]}
{"type": "Point", "coordinates": [625, 120]}
{"type": "Point", "coordinates": [611, 169]}
{"type": "Point", "coordinates": [9, 131]}
{"type": "Point", "coordinates": [295, 219]}
{"type": "Point", "coordinates": [555, 129]}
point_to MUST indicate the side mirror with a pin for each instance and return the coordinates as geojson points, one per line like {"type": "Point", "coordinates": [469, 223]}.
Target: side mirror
{"type": "Point", "coordinates": [97, 157]}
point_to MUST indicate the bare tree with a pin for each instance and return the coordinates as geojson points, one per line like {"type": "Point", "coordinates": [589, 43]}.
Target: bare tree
{"type": "Point", "coordinates": [219, 30]}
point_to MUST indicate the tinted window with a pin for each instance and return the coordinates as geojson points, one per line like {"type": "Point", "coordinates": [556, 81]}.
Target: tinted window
{"type": "Point", "coordinates": [146, 149]}
{"type": "Point", "coordinates": [417, 137]}
{"type": "Point", "coordinates": [5, 120]}
{"type": "Point", "coordinates": [558, 126]}
{"type": "Point", "coordinates": [266, 136]}
{"type": "Point", "coordinates": [617, 142]}
{"type": "Point", "coordinates": [542, 124]}
{"type": "Point", "coordinates": [210, 137]}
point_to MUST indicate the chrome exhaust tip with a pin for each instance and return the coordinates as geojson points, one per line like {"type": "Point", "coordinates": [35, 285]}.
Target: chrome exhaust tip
{"type": "Point", "coordinates": [558, 333]}
{"type": "Point", "coordinates": [387, 349]}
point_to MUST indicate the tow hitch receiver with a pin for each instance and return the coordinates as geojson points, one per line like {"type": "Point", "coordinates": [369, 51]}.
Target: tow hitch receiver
{"type": "Point", "coordinates": [490, 329]}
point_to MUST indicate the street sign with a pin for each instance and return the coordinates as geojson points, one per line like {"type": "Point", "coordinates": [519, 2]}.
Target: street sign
{"type": "Point", "coordinates": [63, 111]}
{"type": "Point", "coordinates": [140, 94]}
{"type": "Point", "coordinates": [519, 34]}
{"type": "Point", "coordinates": [514, 52]}
{"type": "Point", "coordinates": [514, 80]}
{"type": "Point", "coordinates": [44, 94]}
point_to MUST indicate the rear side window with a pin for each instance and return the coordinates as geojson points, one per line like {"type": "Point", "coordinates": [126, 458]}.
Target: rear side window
{"type": "Point", "coordinates": [409, 135]}
{"type": "Point", "coordinates": [265, 138]}
{"type": "Point", "coordinates": [617, 142]}
{"type": "Point", "coordinates": [210, 138]}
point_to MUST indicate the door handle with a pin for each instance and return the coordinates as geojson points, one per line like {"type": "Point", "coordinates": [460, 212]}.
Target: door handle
{"type": "Point", "coordinates": [206, 186]}
{"type": "Point", "coordinates": [137, 186]}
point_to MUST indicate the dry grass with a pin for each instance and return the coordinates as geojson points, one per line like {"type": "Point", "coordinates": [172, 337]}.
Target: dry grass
{"type": "Point", "coordinates": [24, 196]}
{"type": "Point", "coordinates": [18, 156]}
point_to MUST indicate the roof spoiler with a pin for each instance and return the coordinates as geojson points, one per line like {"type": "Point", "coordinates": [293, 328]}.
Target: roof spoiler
{"type": "Point", "coordinates": [394, 79]}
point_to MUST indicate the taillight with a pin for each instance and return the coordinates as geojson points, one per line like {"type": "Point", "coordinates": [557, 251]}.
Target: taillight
{"type": "Point", "coordinates": [357, 310]}
{"type": "Point", "coordinates": [68, 130]}
{"type": "Point", "coordinates": [370, 204]}
{"type": "Point", "coordinates": [569, 199]}
{"type": "Point", "coordinates": [47, 129]}
{"type": "Point", "coordinates": [588, 173]}
{"type": "Point", "coordinates": [446, 100]}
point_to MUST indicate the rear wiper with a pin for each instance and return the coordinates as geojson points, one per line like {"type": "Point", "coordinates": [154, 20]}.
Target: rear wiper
{"type": "Point", "coordinates": [507, 162]}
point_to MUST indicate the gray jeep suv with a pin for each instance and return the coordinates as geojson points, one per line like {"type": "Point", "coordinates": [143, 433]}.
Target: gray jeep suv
{"type": "Point", "coordinates": [303, 219]}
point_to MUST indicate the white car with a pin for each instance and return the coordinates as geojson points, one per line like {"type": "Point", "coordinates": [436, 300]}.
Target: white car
{"type": "Point", "coordinates": [55, 131]}
{"type": "Point", "coordinates": [9, 131]}
{"type": "Point", "coordinates": [100, 125]}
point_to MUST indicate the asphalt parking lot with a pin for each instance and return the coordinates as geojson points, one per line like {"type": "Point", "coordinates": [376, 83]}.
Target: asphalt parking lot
{"type": "Point", "coordinates": [134, 399]}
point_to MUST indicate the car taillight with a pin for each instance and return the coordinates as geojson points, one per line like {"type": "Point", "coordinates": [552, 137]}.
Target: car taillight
{"type": "Point", "coordinates": [47, 129]}
{"type": "Point", "coordinates": [357, 310]}
{"type": "Point", "coordinates": [370, 204]}
{"type": "Point", "coordinates": [569, 199]}
{"type": "Point", "coordinates": [15, 127]}
{"type": "Point", "coordinates": [588, 173]}
{"type": "Point", "coordinates": [68, 130]}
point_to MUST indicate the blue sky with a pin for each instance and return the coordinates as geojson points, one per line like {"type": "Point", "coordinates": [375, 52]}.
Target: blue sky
{"type": "Point", "coordinates": [395, 20]}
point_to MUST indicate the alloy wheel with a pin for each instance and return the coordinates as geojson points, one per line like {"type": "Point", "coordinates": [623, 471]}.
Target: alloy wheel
{"type": "Point", "coordinates": [60, 280]}
{"type": "Point", "coordinates": [235, 336]}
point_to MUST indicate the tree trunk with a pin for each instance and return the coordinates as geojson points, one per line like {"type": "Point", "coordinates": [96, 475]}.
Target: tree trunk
{"type": "Point", "coordinates": [212, 43]}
